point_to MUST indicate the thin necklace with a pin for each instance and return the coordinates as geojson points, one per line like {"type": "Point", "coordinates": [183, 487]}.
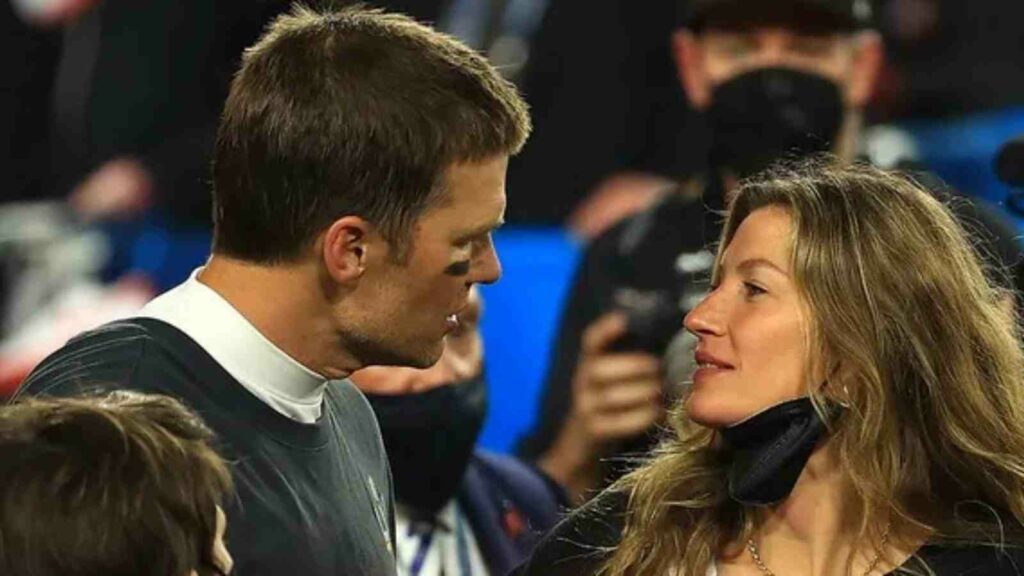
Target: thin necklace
{"type": "Point", "coordinates": [756, 555]}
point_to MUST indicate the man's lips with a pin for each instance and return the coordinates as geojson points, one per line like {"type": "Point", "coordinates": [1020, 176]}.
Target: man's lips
{"type": "Point", "coordinates": [452, 321]}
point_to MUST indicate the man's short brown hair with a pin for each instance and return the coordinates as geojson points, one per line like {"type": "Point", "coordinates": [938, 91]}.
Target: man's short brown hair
{"type": "Point", "coordinates": [351, 112]}
{"type": "Point", "coordinates": [115, 485]}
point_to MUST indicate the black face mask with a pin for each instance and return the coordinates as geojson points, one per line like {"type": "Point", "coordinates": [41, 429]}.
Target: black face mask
{"type": "Point", "coordinates": [763, 116]}
{"type": "Point", "coordinates": [429, 438]}
{"type": "Point", "coordinates": [769, 450]}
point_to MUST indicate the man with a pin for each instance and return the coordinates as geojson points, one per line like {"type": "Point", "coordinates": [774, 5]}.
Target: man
{"type": "Point", "coordinates": [123, 483]}
{"type": "Point", "coordinates": [774, 79]}
{"type": "Point", "coordinates": [460, 510]}
{"type": "Point", "coordinates": [358, 175]}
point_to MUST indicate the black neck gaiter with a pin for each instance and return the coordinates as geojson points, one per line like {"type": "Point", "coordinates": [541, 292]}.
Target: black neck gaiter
{"type": "Point", "coordinates": [769, 114]}
{"type": "Point", "coordinates": [429, 438]}
{"type": "Point", "coordinates": [768, 451]}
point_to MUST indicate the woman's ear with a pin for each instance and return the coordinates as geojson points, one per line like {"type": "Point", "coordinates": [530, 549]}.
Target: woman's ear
{"type": "Point", "coordinates": [836, 385]}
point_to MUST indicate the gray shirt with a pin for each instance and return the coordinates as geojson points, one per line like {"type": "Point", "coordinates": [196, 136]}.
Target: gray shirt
{"type": "Point", "coordinates": [312, 498]}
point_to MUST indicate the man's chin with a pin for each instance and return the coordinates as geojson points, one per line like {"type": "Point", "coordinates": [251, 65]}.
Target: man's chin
{"type": "Point", "coordinates": [419, 359]}
{"type": "Point", "coordinates": [425, 361]}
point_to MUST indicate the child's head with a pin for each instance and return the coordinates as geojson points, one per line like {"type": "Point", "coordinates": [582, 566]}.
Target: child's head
{"type": "Point", "coordinates": [121, 484]}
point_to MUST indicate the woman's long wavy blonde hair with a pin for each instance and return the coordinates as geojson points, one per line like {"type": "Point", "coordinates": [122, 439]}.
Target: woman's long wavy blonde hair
{"type": "Point", "coordinates": [922, 349]}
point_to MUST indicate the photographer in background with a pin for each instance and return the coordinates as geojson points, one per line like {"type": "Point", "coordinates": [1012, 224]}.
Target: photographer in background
{"type": "Point", "coordinates": [773, 79]}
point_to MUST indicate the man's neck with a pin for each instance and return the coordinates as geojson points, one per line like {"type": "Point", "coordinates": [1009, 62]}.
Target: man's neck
{"type": "Point", "coordinates": [285, 304]}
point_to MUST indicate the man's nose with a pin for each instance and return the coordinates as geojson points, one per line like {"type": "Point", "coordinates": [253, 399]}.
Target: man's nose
{"type": "Point", "coordinates": [488, 266]}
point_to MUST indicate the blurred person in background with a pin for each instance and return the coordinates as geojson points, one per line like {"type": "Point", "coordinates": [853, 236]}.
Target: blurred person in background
{"type": "Point", "coordinates": [858, 408]}
{"type": "Point", "coordinates": [111, 109]}
{"type": "Point", "coordinates": [138, 91]}
{"type": "Point", "coordinates": [944, 58]}
{"type": "Point", "coordinates": [114, 104]}
{"type": "Point", "coordinates": [124, 98]}
{"type": "Point", "coordinates": [780, 78]}
{"type": "Point", "coordinates": [607, 92]}
{"type": "Point", "coordinates": [122, 483]}
{"type": "Point", "coordinates": [950, 58]}
{"type": "Point", "coordinates": [28, 58]}
{"type": "Point", "coordinates": [358, 175]}
{"type": "Point", "coordinates": [459, 510]}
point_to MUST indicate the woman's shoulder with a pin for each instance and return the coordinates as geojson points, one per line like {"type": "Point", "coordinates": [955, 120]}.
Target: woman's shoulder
{"type": "Point", "coordinates": [582, 541]}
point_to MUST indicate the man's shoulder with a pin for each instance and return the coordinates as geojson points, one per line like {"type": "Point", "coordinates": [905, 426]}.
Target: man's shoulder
{"type": "Point", "coordinates": [354, 419]}
{"type": "Point", "coordinates": [112, 356]}
{"type": "Point", "coordinates": [350, 406]}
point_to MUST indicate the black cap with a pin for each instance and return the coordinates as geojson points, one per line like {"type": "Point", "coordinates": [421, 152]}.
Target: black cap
{"type": "Point", "coordinates": [812, 15]}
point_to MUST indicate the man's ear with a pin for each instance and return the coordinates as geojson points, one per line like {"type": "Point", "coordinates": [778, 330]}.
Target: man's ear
{"type": "Point", "coordinates": [688, 53]}
{"type": "Point", "coordinates": [869, 56]}
{"type": "Point", "coordinates": [345, 248]}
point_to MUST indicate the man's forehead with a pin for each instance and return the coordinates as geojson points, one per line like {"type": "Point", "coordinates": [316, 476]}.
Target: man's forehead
{"type": "Point", "coordinates": [837, 16]}
{"type": "Point", "coordinates": [759, 29]}
{"type": "Point", "coordinates": [803, 21]}
{"type": "Point", "coordinates": [762, 31]}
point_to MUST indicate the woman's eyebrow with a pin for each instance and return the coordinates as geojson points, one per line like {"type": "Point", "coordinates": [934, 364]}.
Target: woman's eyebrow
{"type": "Point", "coordinates": [753, 263]}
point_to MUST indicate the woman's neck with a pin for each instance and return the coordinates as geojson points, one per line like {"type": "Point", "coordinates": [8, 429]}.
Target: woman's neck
{"type": "Point", "coordinates": [814, 532]}
{"type": "Point", "coordinates": [815, 520]}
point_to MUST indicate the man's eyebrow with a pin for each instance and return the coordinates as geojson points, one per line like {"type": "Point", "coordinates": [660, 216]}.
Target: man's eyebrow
{"type": "Point", "coordinates": [481, 230]}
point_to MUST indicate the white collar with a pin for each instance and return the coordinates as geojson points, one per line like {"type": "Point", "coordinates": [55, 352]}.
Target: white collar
{"type": "Point", "coordinates": [260, 366]}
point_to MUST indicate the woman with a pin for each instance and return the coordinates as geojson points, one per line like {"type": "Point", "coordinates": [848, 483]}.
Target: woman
{"type": "Point", "coordinates": [858, 405]}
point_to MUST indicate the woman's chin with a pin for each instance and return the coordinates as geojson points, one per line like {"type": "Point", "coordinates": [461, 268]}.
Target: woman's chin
{"type": "Point", "coordinates": [711, 413]}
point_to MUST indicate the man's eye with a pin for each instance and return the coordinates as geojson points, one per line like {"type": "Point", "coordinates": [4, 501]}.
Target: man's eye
{"type": "Point", "coordinates": [813, 46]}
{"type": "Point", "coordinates": [737, 48]}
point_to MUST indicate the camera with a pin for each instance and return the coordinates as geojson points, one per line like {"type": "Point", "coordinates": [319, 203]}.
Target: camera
{"type": "Point", "coordinates": [653, 318]}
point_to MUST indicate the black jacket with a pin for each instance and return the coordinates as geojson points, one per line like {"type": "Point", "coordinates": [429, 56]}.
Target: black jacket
{"type": "Point", "coordinates": [581, 543]}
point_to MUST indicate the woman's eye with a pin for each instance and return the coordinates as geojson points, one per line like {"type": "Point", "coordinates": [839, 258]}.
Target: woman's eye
{"type": "Point", "coordinates": [752, 289]}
